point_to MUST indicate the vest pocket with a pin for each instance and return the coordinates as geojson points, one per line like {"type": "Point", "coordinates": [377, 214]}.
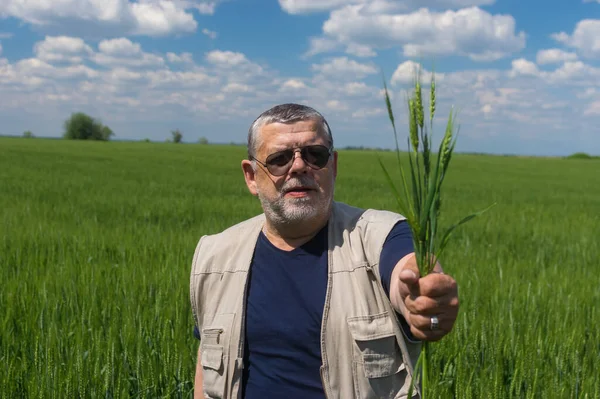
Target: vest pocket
{"type": "Point", "coordinates": [377, 365]}
{"type": "Point", "coordinates": [213, 371]}
{"type": "Point", "coordinates": [214, 356]}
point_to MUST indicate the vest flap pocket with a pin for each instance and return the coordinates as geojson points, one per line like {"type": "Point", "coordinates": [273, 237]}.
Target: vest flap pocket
{"type": "Point", "coordinates": [217, 329]}
{"type": "Point", "coordinates": [366, 328]}
{"type": "Point", "coordinates": [376, 349]}
{"type": "Point", "coordinates": [212, 357]}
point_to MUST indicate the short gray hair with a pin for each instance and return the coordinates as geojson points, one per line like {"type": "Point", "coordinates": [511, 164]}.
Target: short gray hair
{"type": "Point", "coordinates": [285, 113]}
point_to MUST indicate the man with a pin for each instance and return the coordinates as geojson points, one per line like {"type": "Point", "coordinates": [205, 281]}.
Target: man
{"type": "Point", "coordinates": [313, 298]}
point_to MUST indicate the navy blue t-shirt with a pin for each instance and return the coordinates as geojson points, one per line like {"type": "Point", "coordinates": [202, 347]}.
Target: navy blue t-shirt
{"type": "Point", "coordinates": [286, 296]}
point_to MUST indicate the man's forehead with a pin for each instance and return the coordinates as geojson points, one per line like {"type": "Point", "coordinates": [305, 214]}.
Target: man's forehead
{"type": "Point", "coordinates": [276, 128]}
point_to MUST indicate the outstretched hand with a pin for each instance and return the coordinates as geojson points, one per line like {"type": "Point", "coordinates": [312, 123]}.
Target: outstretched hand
{"type": "Point", "coordinates": [424, 300]}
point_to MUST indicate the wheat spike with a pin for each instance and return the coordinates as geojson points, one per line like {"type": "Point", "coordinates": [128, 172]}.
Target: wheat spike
{"type": "Point", "coordinates": [432, 96]}
{"type": "Point", "coordinates": [414, 132]}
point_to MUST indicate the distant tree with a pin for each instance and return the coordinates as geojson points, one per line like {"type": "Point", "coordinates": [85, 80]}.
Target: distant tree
{"type": "Point", "coordinates": [177, 136]}
{"type": "Point", "coordinates": [146, 140]}
{"type": "Point", "coordinates": [107, 133]}
{"type": "Point", "coordinates": [28, 135]}
{"type": "Point", "coordinates": [203, 140]}
{"type": "Point", "coordinates": [81, 126]}
{"type": "Point", "coordinates": [582, 155]}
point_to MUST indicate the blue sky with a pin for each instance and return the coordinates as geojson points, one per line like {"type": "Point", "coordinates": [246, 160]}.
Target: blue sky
{"type": "Point", "coordinates": [525, 76]}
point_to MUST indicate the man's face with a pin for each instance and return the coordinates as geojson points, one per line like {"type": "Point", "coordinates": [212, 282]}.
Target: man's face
{"type": "Point", "coordinates": [302, 193]}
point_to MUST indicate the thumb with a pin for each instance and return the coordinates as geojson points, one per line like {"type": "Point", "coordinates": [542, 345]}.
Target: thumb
{"type": "Point", "coordinates": [409, 277]}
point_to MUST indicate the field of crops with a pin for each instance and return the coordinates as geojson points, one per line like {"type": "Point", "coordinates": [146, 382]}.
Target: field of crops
{"type": "Point", "coordinates": [96, 241]}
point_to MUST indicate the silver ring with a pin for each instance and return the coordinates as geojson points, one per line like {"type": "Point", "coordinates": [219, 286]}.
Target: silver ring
{"type": "Point", "coordinates": [435, 323]}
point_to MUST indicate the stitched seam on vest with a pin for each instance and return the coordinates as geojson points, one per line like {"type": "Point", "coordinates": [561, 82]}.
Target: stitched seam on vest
{"type": "Point", "coordinates": [361, 266]}
{"type": "Point", "coordinates": [221, 272]}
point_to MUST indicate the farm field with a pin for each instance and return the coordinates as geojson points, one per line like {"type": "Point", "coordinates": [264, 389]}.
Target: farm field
{"type": "Point", "coordinates": [96, 242]}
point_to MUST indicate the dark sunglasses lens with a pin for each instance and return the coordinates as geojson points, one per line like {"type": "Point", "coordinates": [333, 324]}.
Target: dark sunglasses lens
{"type": "Point", "coordinates": [277, 163]}
{"type": "Point", "coordinates": [316, 155]}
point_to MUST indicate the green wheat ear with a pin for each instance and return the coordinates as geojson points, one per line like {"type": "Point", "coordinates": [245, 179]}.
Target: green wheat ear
{"type": "Point", "coordinates": [432, 100]}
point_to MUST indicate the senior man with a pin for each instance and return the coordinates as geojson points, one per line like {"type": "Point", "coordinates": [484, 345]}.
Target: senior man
{"type": "Point", "coordinates": [312, 298]}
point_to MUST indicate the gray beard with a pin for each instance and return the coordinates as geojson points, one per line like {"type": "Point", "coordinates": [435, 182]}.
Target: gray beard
{"type": "Point", "coordinates": [290, 211]}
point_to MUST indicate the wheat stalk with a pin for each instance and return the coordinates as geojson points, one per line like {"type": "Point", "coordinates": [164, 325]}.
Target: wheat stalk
{"type": "Point", "coordinates": [420, 201]}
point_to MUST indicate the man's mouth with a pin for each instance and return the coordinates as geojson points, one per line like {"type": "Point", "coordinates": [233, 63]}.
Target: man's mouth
{"type": "Point", "coordinates": [298, 191]}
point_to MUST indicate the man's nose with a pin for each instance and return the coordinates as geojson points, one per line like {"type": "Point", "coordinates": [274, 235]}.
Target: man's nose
{"type": "Point", "coordinates": [298, 164]}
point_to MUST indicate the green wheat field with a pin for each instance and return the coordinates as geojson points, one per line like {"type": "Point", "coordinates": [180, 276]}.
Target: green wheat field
{"type": "Point", "coordinates": [96, 242]}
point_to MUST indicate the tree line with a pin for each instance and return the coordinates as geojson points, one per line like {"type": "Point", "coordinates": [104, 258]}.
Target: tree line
{"type": "Point", "coordinates": [81, 126]}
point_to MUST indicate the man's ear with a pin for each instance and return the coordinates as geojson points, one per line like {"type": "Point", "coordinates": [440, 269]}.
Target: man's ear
{"type": "Point", "coordinates": [249, 176]}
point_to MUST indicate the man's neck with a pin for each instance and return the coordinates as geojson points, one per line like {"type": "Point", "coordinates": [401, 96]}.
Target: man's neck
{"type": "Point", "coordinates": [288, 237]}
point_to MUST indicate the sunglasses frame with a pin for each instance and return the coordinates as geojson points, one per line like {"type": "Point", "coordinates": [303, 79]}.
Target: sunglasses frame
{"type": "Point", "coordinates": [291, 161]}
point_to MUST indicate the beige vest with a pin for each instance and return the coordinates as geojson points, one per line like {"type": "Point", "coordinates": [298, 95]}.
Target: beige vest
{"type": "Point", "coordinates": [364, 351]}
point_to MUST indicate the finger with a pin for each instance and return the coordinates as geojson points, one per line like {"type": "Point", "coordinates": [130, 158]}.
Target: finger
{"type": "Point", "coordinates": [429, 306]}
{"type": "Point", "coordinates": [409, 277]}
{"type": "Point", "coordinates": [423, 323]}
{"type": "Point", "coordinates": [437, 285]}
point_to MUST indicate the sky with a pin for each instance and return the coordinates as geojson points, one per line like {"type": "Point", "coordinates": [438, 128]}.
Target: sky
{"type": "Point", "coordinates": [523, 75]}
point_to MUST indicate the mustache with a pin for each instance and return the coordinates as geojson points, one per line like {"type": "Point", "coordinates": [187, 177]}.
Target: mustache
{"type": "Point", "coordinates": [306, 182]}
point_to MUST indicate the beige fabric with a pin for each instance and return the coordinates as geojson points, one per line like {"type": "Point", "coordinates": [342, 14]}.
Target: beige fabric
{"type": "Point", "coordinates": [364, 351]}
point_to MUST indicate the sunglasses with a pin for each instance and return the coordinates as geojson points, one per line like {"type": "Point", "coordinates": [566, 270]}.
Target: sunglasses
{"type": "Point", "coordinates": [279, 163]}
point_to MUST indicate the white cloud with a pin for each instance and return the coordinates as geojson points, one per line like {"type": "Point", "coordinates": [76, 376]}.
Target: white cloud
{"type": "Point", "coordinates": [406, 72]}
{"type": "Point", "coordinates": [6, 35]}
{"type": "Point", "coordinates": [228, 58]}
{"type": "Point", "coordinates": [161, 18]}
{"type": "Point", "coordinates": [585, 38]}
{"type": "Point", "coordinates": [574, 72]}
{"type": "Point", "coordinates": [308, 6]}
{"type": "Point", "coordinates": [321, 45]}
{"type": "Point", "coordinates": [524, 67]}
{"type": "Point", "coordinates": [62, 48]}
{"type": "Point", "coordinates": [469, 32]}
{"type": "Point", "coordinates": [209, 33]}
{"type": "Point", "coordinates": [356, 89]}
{"type": "Point", "coordinates": [226, 62]}
{"type": "Point", "coordinates": [364, 113]}
{"type": "Point", "coordinates": [124, 74]}
{"type": "Point", "coordinates": [180, 58]}
{"type": "Point", "coordinates": [588, 93]}
{"type": "Point", "coordinates": [38, 68]}
{"type": "Point", "coordinates": [344, 68]}
{"type": "Point", "coordinates": [123, 52]}
{"type": "Point", "coordinates": [110, 17]}
{"type": "Point", "coordinates": [360, 50]}
{"type": "Point", "coordinates": [293, 84]}
{"type": "Point", "coordinates": [203, 6]}
{"type": "Point", "coordinates": [237, 88]}
{"type": "Point", "coordinates": [554, 56]}
{"type": "Point", "coordinates": [171, 80]}
{"type": "Point", "coordinates": [487, 109]}
{"type": "Point", "coordinates": [592, 109]}
{"type": "Point", "coordinates": [336, 105]}
{"type": "Point", "coordinates": [121, 46]}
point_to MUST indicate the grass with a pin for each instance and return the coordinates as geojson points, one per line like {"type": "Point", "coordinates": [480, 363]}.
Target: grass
{"type": "Point", "coordinates": [96, 241]}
